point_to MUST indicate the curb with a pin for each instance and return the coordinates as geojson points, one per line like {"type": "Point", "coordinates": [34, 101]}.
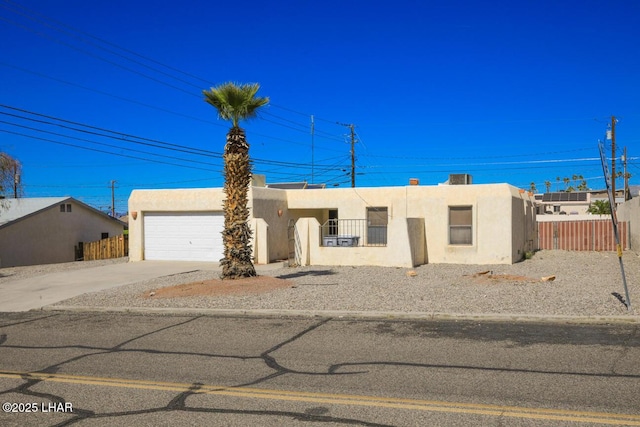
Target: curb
{"type": "Point", "coordinates": [364, 315]}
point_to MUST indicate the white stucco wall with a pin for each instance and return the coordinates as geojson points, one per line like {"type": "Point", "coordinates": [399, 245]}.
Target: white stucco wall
{"type": "Point", "coordinates": [397, 252]}
{"type": "Point", "coordinates": [630, 211]}
{"type": "Point", "coordinates": [503, 218]}
{"type": "Point", "coordinates": [418, 222]}
{"type": "Point", "coordinates": [269, 205]}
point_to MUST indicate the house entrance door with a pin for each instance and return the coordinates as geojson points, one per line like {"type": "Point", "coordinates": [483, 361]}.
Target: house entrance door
{"type": "Point", "coordinates": [333, 222]}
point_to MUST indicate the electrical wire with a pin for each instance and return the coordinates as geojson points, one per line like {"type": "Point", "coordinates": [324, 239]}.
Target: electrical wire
{"type": "Point", "coordinates": [130, 138]}
{"type": "Point", "coordinates": [72, 32]}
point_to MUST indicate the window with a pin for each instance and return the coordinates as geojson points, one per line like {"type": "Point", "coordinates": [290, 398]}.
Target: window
{"type": "Point", "coordinates": [105, 236]}
{"type": "Point", "coordinates": [460, 225]}
{"type": "Point", "coordinates": [377, 220]}
{"type": "Point", "coordinates": [68, 207]}
{"type": "Point", "coordinates": [65, 208]}
{"type": "Point", "coordinates": [62, 208]}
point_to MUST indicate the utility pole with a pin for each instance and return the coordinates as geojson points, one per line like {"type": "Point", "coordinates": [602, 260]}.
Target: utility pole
{"type": "Point", "coordinates": [353, 153]}
{"type": "Point", "coordinates": [627, 196]}
{"type": "Point", "coordinates": [312, 162]}
{"type": "Point", "coordinates": [353, 157]}
{"type": "Point", "coordinates": [613, 160]}
{"type": "Point", "coordinates": [113, 199]}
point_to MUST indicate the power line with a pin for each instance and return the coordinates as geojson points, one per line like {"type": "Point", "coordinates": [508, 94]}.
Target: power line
{"type": "Point", "coordinates": [130, 138]}
{"type": "Point", "coordinates": [100, 151]}
{"type": "Point", "coordinates": [479, 157]}
{"type": "Point", "coordinates": [115, 64]}
{"type": "Point", "coordinates": [155, 107]}
{"type": "Point", "coordinates": [71, 30]}
{"type": "Point", "coordinates": [106, 42]}
{"type": "Point", "coordinates": [296, 125]}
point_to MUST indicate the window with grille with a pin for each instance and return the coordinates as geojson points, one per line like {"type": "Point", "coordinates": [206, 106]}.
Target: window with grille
{"type": "Point", "coordinates": [377, 221]}
{"type": "Point", "coordinates": [460, 225]}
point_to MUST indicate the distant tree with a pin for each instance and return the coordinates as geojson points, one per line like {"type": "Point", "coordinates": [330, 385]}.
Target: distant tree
{"type": "Point", "coordinates": [532, 187]}
{"type": "Point", "coordinates": [579, 183]}
{"type": "Point", "coordinates": [600, 207]}
{"type": "Point", "coordinates": [236, 102]}
{"type": "Point", "coordinates": [573, 183]}
{"type": "Point", "coordinates": [10, 171]}
{"type": "Point", "coordinates": [583, 186]}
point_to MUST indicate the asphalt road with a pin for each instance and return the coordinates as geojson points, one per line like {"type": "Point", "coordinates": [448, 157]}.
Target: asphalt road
{"type": "Point", "coordinates": [104, 369]}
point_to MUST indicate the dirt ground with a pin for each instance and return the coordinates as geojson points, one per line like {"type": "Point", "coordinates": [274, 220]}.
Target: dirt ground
{"type": "Point", "coordinates": [264, 284]}
{"type": "Point", "coordinates": [246, 286]}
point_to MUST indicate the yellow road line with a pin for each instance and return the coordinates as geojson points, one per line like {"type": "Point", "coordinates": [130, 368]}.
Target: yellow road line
{"type": "Point", "coordinates": [341, 399]}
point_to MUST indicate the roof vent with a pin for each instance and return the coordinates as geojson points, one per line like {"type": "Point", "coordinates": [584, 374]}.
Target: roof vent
{"type": "Point", "coordinates": [459, 179]}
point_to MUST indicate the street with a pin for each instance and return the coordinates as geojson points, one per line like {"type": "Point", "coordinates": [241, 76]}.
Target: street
{"type": "Point", "coordinates": [98, 369]}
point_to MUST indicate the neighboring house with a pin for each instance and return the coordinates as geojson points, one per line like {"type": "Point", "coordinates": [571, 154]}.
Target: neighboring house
{"type": "Point", "coordinates": [604, 195]}
{"type": "Point", "coordinates": [387, 226]}
{"type": "Point", "coordinates": [49, 230]}
{"type": "Point", "coordinates": [563, 203]}
{"type": "Point", "coordinates": [573, 202]}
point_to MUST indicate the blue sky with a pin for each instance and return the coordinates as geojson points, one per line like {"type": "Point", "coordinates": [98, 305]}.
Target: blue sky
{"type": "Point", "coordinates": [507, 91]}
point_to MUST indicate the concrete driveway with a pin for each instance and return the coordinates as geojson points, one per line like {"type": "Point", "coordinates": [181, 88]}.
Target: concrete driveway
{"type": "Point", "coordinates": [36, 292]}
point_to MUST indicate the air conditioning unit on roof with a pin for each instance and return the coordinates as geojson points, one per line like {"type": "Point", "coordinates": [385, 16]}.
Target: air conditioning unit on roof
{"type": "Point", "coordinates": [459, 179]}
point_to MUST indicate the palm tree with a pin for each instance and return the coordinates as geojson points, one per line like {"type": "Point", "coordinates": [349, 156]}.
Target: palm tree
{"type": "Point", "coordinates": [236, 102]}
{"type": "Point", "coordinates": [600, 207]}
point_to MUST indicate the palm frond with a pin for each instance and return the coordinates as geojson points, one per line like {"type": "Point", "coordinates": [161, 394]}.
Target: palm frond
{"type": "Point", "coordinates": [235, 101]}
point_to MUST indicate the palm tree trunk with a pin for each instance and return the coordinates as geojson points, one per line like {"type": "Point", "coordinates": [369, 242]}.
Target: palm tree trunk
{"type": "Point", "coordinates": [237, 234]}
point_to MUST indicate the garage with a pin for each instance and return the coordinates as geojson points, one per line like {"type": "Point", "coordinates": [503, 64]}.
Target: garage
{"type": "Point", "coordinates": [183, 236]}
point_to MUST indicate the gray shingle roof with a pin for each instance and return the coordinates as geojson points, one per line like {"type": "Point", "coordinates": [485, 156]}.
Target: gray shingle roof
{"type": "Point", "coordinates": [13, 209]}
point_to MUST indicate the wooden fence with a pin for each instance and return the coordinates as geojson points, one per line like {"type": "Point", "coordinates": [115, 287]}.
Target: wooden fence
{"type": "Point", "coordinates": [112, 247]}
{"type": "Point", "coordinates": [588, 235]}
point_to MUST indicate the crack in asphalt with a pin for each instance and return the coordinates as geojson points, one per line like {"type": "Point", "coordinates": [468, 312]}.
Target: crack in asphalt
{"type": "Point", "coordinates": [180, 401]}
{"type": "Point", "coordinates": [4, 325]}
{"type": "Point", "coordinates": [337, 366]}
{"type": "Point", "coordinates": [625, 349]}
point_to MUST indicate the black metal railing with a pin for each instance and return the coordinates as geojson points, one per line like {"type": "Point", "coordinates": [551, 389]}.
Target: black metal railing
{"type": "Point", "coordinates": [352, 232]}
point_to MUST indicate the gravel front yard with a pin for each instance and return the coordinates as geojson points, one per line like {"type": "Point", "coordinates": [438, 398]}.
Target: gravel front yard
{"type": "Point", "coordinates": [585, 284]}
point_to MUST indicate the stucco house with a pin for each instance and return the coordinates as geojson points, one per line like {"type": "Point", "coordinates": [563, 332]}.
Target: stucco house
{"type": "Point", "coordinates": [387, 226]}
{"type": "Point", "coordinates": [49, 230]}
{"type": "Point", "coordinates": [576, 202]}
{"type": "Point", "coordinates": [563, 203]}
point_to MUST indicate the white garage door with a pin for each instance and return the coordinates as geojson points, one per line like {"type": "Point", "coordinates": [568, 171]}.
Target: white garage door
{"type": "Point", "coordinates": [188, 236]}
